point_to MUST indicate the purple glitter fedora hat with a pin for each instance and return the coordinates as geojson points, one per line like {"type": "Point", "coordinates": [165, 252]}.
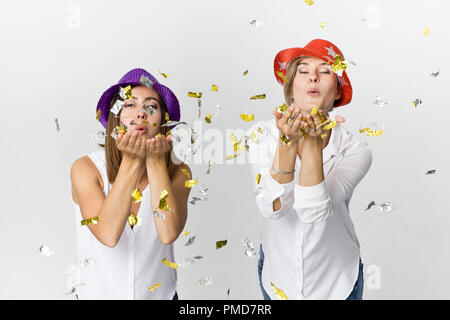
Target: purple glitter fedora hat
{"type": "Point", "coordinates": [133, 77]}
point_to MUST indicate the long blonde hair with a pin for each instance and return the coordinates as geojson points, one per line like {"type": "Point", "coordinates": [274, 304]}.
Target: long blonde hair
{"type": "Point", "coordinates": [114, 157]}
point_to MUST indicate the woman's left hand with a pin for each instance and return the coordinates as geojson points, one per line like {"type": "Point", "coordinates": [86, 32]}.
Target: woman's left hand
{"type": "Point", "coordinates": [157, 147]}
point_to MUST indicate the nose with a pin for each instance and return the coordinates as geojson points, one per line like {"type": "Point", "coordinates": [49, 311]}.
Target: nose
{"type": "Point", "coordinates": [314, 78]}
{"type": "Point", "coordinates": [142, 115]}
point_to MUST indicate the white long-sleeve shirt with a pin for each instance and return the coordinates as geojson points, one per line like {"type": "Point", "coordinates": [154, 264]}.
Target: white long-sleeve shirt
{"type": "Point", "coordinates": [310, 246]}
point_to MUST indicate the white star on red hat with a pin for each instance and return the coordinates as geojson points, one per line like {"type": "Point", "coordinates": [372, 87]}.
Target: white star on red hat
{"type": "Point", "coordinates": [331, 51]}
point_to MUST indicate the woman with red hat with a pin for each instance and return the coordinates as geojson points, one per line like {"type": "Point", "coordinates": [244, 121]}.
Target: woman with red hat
{"type": "Point", "coordinates": [309, 171]}
{"type": "Point", "coordinates": [130, 198]}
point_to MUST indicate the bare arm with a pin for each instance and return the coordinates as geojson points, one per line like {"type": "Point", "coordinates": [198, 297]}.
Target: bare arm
{"type": "Point", "coordinates": [112, 210]}
{"type": "Point", "coordinates": [168, 229]}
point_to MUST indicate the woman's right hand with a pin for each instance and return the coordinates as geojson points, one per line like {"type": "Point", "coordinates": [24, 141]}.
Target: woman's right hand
{"type": "Point", "coordinates": [132, 145]}
{"type": "Point", "coordinates": [287, 125]}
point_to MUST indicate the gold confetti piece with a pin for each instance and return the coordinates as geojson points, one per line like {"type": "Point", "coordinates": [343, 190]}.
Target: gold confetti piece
{"type": "Point", "coordinates": [332, 124]}
{"type": "Point", "coordinates": [338, 65]}
{"type": "Point", "coordinates": [125, 93]}
{"type": "Point", "coordinates": [282, 108]}
{"type": "Point", "coordinates": [314, 110]}
{"type": "Point", "coordinates": [245, 72]}
{"type": "Point", "coordinates": [93, 220]}
{"type": "Point", "coordinates": [258, 96]}
{"type": "Point", "coordinates": [258, 178]}
{"type": "Point", "coordinates": [323, 24]}
{"type": "Point", "coordinates": [323, 135]}
{"type": "Point", "coordinates": [371, 133]}
{"type": "Point", "coordinates": [163, 201]}
{"type": "Point", "coordinates": [167, 116]}
{"type": "Point", "coordinates": [285, 139]}
{"type": "Point", "coordinates": [154, 124]}
{"type": "Point", "coordinates": [208, 118]}
{"type": "Point", "coordinates": [426, 31]}
{"type": "Point", "coordinates": [99, 112]}
{"type": "Point", "coordinates": [220, 244]}
{"type": "Point", "coordinates": [136, 195]}
{"type": "Point", "coordinates": [236, 145]}
{"type": "Point", "coordinates": [280, 294]}
{"type": "Point", "coordinates": [254, 137]}
{"type": "Point", "coordinates": [247, 117]}
{"type": "Point", "coordinates": [214, 88]}
{"type": "Point", "coordinates": [195, 94]}
{"type": "Point", "coordinates": [186, 172]}
{"type": "Point", "coordinates": [134, 220]}
{"type": "Point", "coordinates": [232, 156]}
{"type": "Point", "coordinates": [190, 183]}
{"type": "Point", "coordinates": [186, 233]}
{"type": "Point", "coordinates": [165, 75]}
{"type": "Point", "coordinates": [282, 76]}
{"type": "Point", "coordinates": [170, 264]}
{"type": "Point", "coordinates": [309, 2]}
{"type": "Point", "coordinates": [144, 122]}
{"type": "Point", "coordinates": [323, 123]}
{"type": "Point", "coordinates": [416, 102]}
{"type": "Point", "coordinates": [122, 129]}
{"type": "Point", "coordinates": [159, 135]}
{"type": "Point", "coordinates": [260, 130]}
{"type": "Point", "coordinates": [154, 287]}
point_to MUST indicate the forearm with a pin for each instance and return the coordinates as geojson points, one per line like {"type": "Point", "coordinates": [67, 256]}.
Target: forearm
{"type": "Point", "coordinates": [116, 207]}
{"type": "Point", "coordinates": [311, 169]}
{"type": "Point", "coordinates": [168, 229]}
{"type": "Point", "coordinates": [284, 160]}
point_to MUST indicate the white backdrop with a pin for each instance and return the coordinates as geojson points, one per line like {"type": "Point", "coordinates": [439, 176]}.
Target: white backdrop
{"type": "Point", "coordinates": [58, 57]}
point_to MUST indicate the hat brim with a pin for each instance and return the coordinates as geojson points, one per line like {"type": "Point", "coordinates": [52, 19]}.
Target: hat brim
{"type": "Point", "coordinates": [287, 55]}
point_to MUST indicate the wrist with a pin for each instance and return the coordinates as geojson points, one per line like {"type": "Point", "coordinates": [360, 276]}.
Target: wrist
{"type": "Point", "coordinates": [155, 163]}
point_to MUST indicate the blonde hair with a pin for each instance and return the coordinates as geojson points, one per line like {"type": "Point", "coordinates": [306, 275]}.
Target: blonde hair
{"type": "Point", "coordinates": [113, 156]}
{"type": "Point", "coordinates": [291, 71]}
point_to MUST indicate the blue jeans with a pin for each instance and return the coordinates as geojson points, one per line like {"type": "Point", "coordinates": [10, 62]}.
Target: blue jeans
{"type": "Point", "coordinates": [356, 293]}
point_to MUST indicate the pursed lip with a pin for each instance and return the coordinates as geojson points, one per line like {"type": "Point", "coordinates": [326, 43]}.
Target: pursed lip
{"type": "Point", "coordinates": [141, 128]}
{"type": "Point", "coordinates": [313, 90]}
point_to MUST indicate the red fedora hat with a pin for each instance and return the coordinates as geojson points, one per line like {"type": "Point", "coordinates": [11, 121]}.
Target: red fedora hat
{"type": "Point", "coordinates": [321, 49]}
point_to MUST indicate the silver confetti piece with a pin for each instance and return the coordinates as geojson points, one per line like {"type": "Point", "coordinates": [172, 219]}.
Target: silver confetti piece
{"type": "Point", "coordinates": [417, 102]}
{"type": "Point", "coordinates": [379, 101]}
{"type": "Point", "coordinates": [256, 23]}
{"type": "Point", "coordinates": [205, 281]}
{"type": "Point", "coordinates": [198, 257]}
{"type": "Point", "coordinates": [195, 199]}
{"type": "Point", "coordinates": [146, 81]}
{"type": "Point", "coordinates": [173, 123]}
{"type": "Point", "coordinates": [249, 249]}
{"type": "Point", "coordinates": [386, 207]}
{"type": "Point", "coordinates": [87, 262]}
{"type": "Point", "coordinates": [46, 251]}
{"type": "Point", "coordinates": [159, 215]}
{"type": "Point", "coordinates": [435, 74]}
{"type": "Point", "coordinates": [117, 107]}
{"type": "Point", "coordinates": [186, 262]}
{"type": "Point", "coordinates": [199, 108]}
{"type": "Point", "coordinates": [57, 124]}
{"type": "Point", "coordinates": [371, 204]}
{"type": "Point", "coordinates": [431, 171]}
{"type": "Point", "coordinates": [99, 135]}
{"type": "Point", "coordinates": [190, 241]}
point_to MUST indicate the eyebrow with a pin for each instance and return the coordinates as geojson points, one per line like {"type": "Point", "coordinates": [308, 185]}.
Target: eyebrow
{"type": "Point", "coordinates": [308, 64]}
{"type": "Point", "coordinates": [148, 98]}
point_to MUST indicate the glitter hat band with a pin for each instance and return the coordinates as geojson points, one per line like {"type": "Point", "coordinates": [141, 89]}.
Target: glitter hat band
{"type": "Point", "coordinates": [318, 48]}
{"type": "Point", "coordinates": [133, 77]}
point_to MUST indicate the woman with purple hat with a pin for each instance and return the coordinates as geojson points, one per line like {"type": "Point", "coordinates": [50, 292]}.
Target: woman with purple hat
{"type": "Point", "coordinates": [130, 197]}
{"type": "Point", "coordinates": [310, 167]}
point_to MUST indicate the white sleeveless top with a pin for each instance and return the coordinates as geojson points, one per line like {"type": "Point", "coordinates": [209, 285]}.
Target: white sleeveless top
{"type": "Point", "coordinates": [133, 265]}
